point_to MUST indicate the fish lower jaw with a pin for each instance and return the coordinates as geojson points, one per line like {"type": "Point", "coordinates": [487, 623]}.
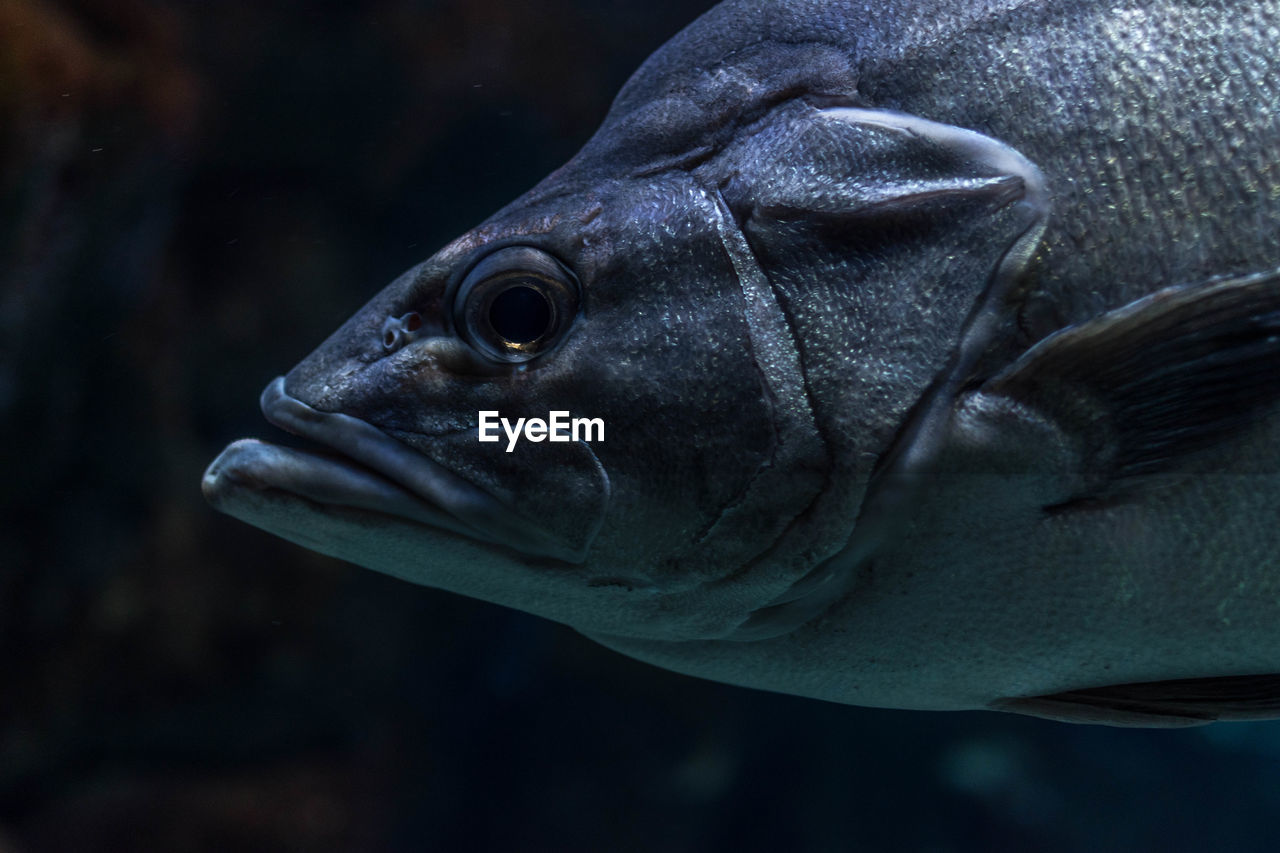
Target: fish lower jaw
{"type": "Point", "coordinates": [363, 467]}
{"type": "Point", "coordinates": [325, 479]}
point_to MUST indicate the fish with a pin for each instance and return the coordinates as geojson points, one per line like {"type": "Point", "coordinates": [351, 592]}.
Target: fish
{"type": "Point", "coordinates": [934, 347]}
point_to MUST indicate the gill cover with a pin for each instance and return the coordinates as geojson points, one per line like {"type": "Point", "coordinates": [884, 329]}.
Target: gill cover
{"type": "Point", "coordinates": [862, 221]}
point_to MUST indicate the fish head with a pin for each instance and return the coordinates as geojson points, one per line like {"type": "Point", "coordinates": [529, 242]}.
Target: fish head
{"type": "Point", "coordinates": [618, 301]}
{"type": "Point", "coordinates": [747, 280]}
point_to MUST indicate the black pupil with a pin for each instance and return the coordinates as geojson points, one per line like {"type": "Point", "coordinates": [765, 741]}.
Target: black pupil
{"type": "Point", "coordinates": [520, 314]}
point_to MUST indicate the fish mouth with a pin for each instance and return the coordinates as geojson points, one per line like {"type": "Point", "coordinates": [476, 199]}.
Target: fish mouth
{"type": "Point", "coordinates": [363, 468]}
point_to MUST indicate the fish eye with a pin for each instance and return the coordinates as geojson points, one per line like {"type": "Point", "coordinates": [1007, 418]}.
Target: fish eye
{"type": "Point", "coordinates": [515, 304]}
{"type": "Point", "coordinates": [520, 314]}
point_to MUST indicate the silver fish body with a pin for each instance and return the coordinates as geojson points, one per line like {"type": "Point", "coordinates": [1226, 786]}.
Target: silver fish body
{"type": "Point", "coordinates": [936, 348]}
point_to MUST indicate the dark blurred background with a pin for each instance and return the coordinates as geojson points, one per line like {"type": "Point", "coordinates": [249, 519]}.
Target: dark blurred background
{"type": "Point", "coordinates": [193, 196]}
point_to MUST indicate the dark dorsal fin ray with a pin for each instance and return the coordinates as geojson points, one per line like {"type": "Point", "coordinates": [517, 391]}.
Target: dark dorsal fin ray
{"type": "Point", "coordinates": [1146, 384]}
{"type": "Point", "coordinates": [1182, 702]}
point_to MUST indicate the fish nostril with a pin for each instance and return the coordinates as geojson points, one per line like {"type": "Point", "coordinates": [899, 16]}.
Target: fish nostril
{"type": "Point", "coordinates": [398, 331]}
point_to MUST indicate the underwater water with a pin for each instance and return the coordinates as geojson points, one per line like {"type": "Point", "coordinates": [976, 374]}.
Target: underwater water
{"type": "Point", "coordinates": [194, 196]}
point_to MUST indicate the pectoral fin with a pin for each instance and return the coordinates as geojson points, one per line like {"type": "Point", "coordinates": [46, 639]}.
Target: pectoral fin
{"type": "Point", "coordinates": [1183, 702]}
{"type": "Point", "coordinates": [1139, 390]}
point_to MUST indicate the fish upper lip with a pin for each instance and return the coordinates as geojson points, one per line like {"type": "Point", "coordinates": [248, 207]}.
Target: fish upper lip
{"type": "Point", "coordinates": [419, 488]}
